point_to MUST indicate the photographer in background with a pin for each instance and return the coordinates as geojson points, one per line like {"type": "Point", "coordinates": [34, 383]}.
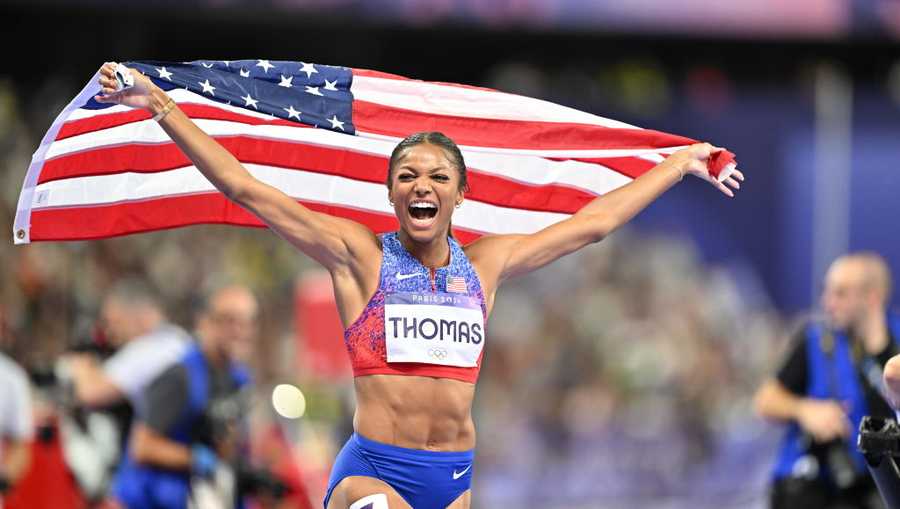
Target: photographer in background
{"type": "Point", "coordinates": [107, 380]}
{"type": "Point", "coordinates": [829, 381]}
{"type": "Point", "coordinates": [187, 440]}
{"type": "Point", "coordinates": [135, 324]}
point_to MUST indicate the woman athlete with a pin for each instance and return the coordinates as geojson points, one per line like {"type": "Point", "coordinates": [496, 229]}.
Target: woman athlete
{"type": "Point", "coordinates": [414, 302]}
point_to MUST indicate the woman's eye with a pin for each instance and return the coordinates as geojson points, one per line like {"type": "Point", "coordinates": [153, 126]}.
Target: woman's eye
{"type": "Point", "coordinates": [441, 178]}
{"type": "Point", "coordinates": [405, 178]}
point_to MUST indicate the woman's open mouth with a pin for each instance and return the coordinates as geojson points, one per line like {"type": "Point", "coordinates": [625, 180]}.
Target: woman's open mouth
{"type": "Point", "coordinates": [422, 212]}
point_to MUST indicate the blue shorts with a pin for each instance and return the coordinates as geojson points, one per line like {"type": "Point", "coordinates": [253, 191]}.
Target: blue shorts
{"type": "Point", "coordinates": [425, 479]}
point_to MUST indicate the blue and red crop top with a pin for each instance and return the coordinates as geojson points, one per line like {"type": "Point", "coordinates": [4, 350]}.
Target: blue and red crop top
{"type": "Point", "coordinates": [421, 321]}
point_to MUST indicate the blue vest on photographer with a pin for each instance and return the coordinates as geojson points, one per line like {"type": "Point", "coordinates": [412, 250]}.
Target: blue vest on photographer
{"type": "Point", "coordinates": [145, 487]}
{"type": "Point", "coordinates": [832, 375]}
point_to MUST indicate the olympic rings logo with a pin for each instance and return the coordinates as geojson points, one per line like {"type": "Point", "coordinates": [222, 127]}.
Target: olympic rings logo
{"type": "Point", "coordinates": [437, 353]}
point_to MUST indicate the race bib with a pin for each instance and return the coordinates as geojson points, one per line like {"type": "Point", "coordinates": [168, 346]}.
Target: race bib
{"type": "Point", "coordinates": [433, 328]}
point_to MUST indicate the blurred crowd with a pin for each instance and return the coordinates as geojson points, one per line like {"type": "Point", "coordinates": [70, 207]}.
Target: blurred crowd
{"type": "Point", "coordinates": [623, 375]}
{"type": "Point", "coordinates": [620, 376]}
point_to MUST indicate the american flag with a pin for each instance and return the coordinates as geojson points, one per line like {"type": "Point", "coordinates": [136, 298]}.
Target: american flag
{"type": "Point", "coordinates": [323, 135]}
{"type": "Point", "coordinates": [457, 284]}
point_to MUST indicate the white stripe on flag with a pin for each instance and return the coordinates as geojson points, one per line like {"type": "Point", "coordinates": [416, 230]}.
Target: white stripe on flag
{"type": "Point", "coordinates": [468, 102]}
{"type": "Point", "coordinates": [526, 168]}
{"type": "Point", "coordinates": [301, 185]}
{"type": "Point", "coordinates": [180, 96]}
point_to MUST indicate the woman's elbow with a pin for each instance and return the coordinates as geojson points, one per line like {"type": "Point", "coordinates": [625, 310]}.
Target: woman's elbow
{"type": "Point", "coordinates": [600, 228]}
{"type": "Point", "coordinates": [237, 184]}
{"type": "Point", "coordinates": [238, 192]}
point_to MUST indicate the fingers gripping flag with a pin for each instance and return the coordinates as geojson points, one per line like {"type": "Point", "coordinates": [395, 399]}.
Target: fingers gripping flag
{"type": "Point", "coordinates": [323, 135]}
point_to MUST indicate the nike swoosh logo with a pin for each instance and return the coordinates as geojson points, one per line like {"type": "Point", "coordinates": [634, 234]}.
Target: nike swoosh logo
{"type": "Point", "coordinates": [457, 475]}
{"type": "Point", "coordinates": [401, 277]}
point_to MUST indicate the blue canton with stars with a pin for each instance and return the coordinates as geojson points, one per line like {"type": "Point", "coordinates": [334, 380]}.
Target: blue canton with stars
{"type": "Point", "coordinates": [312, 94]}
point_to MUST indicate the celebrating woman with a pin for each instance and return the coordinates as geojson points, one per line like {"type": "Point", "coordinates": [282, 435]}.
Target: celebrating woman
{"type": "Point", "coordinates": [414, 303]}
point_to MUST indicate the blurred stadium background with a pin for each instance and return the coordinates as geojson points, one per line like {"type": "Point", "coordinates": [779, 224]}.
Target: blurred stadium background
{"type": "Point", "coordinates": [620, 376]}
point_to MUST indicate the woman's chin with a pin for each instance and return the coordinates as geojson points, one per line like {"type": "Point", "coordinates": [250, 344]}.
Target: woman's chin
{"type": "Point", "coordinates": [422, 230]}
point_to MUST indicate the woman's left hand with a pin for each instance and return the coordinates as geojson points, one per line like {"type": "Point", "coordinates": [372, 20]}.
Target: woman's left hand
{"type": "Point", "coordinates": [693, 161]}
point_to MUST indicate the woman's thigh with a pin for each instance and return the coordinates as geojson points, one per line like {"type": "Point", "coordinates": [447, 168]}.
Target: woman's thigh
{"type": "Point", "coordinates": [355, 487]}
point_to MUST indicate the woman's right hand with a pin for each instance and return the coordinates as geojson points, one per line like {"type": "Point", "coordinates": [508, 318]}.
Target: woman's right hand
{"type": "Point", "coordinates": [136, 96]}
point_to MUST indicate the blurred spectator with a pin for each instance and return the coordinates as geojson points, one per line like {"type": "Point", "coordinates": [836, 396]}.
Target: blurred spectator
{"type": "Point", "coordinates": [189, 437]}
{"type": "Point", "coordinates": [831, 379]}
{"type": "Point", "coordinates": [133, 324]}
{"type": "Point", "coordinates": [16, 429]}
{"type": "Point", "coordinates": [621, 376]}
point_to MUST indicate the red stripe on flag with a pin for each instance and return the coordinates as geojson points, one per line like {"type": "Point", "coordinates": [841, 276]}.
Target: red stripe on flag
{"type": "Point", "coordinates": [632, 167]}
{"type": "Point", "coordinates": [369, 73]}
{"type": "Point", "coordinates": [501, 133]}
{"type": "Point", "coordinates": [398, 122]}
{"type": "Point", "coordinates": [484, 187]}
{"type": "Point", "coordinates": [100, 121]}
{"type": "Point", "coordinates": [85, 223]}
{"type": "Point", "coordinates": [195, 111]}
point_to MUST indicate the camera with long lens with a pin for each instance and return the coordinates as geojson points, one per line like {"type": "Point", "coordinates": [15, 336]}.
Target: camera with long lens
{"type": "Point", "coordinates": [841, 465]}
{"type": "Point", "coordinates": [54, 378]}
{"type": "Point", "coordinates": [879, 443]}
{"type": "Point", "coordinates": [835, 458]}
{"type": "Point", "coordinates": [260, 481]}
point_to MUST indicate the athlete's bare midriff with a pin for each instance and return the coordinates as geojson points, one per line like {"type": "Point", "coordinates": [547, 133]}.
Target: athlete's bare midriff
{"type": "Point", "coordinates": [415, 412]}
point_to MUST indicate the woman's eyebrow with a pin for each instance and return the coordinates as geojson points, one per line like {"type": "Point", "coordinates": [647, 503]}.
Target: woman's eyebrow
{"type": "Point", "coordinates": [412, 169]}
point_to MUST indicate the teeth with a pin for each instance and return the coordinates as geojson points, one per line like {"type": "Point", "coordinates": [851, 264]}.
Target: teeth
{"type": "Point", "coordinates": [423, 205]}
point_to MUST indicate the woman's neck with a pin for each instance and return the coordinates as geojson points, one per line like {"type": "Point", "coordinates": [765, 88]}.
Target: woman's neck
{"type": "Point", "coordinates": [432, 254]}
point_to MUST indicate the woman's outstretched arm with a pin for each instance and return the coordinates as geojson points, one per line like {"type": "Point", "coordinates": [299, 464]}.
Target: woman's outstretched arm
{"type": "Point", "coordinates": [333, 242]}
{"type": "Point", "coordinates": [502, 256]}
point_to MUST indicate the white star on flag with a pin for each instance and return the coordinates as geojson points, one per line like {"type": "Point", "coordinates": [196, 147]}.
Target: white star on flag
{"type": "Point", "coordinates": [244, 73]}
{"type": "Point", "coordinates": [335, 123]}
{"type": "Point", "coordinates": [227, 63]}
{"type": "Point", "coordinates": [309, 69]}
{"type": "Point", "coordinates": [331, 85]}
{"type": "Point", "coordinates": [313, 90]}
{"type": "Point", "coordinates": [207, 87]}
{"type": "Point", "coordinates": [292, 112]}
{"type": "Point", "coordinates": [286, 81]}
{"type": "Point", "coordinates": [164, 74]}
{"type": "Point", "coordinates": [264, 64]}
{"type": "Point", "coordinates": [207, 65]}
{"type": "Point", "coordinates": [249, 101]}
